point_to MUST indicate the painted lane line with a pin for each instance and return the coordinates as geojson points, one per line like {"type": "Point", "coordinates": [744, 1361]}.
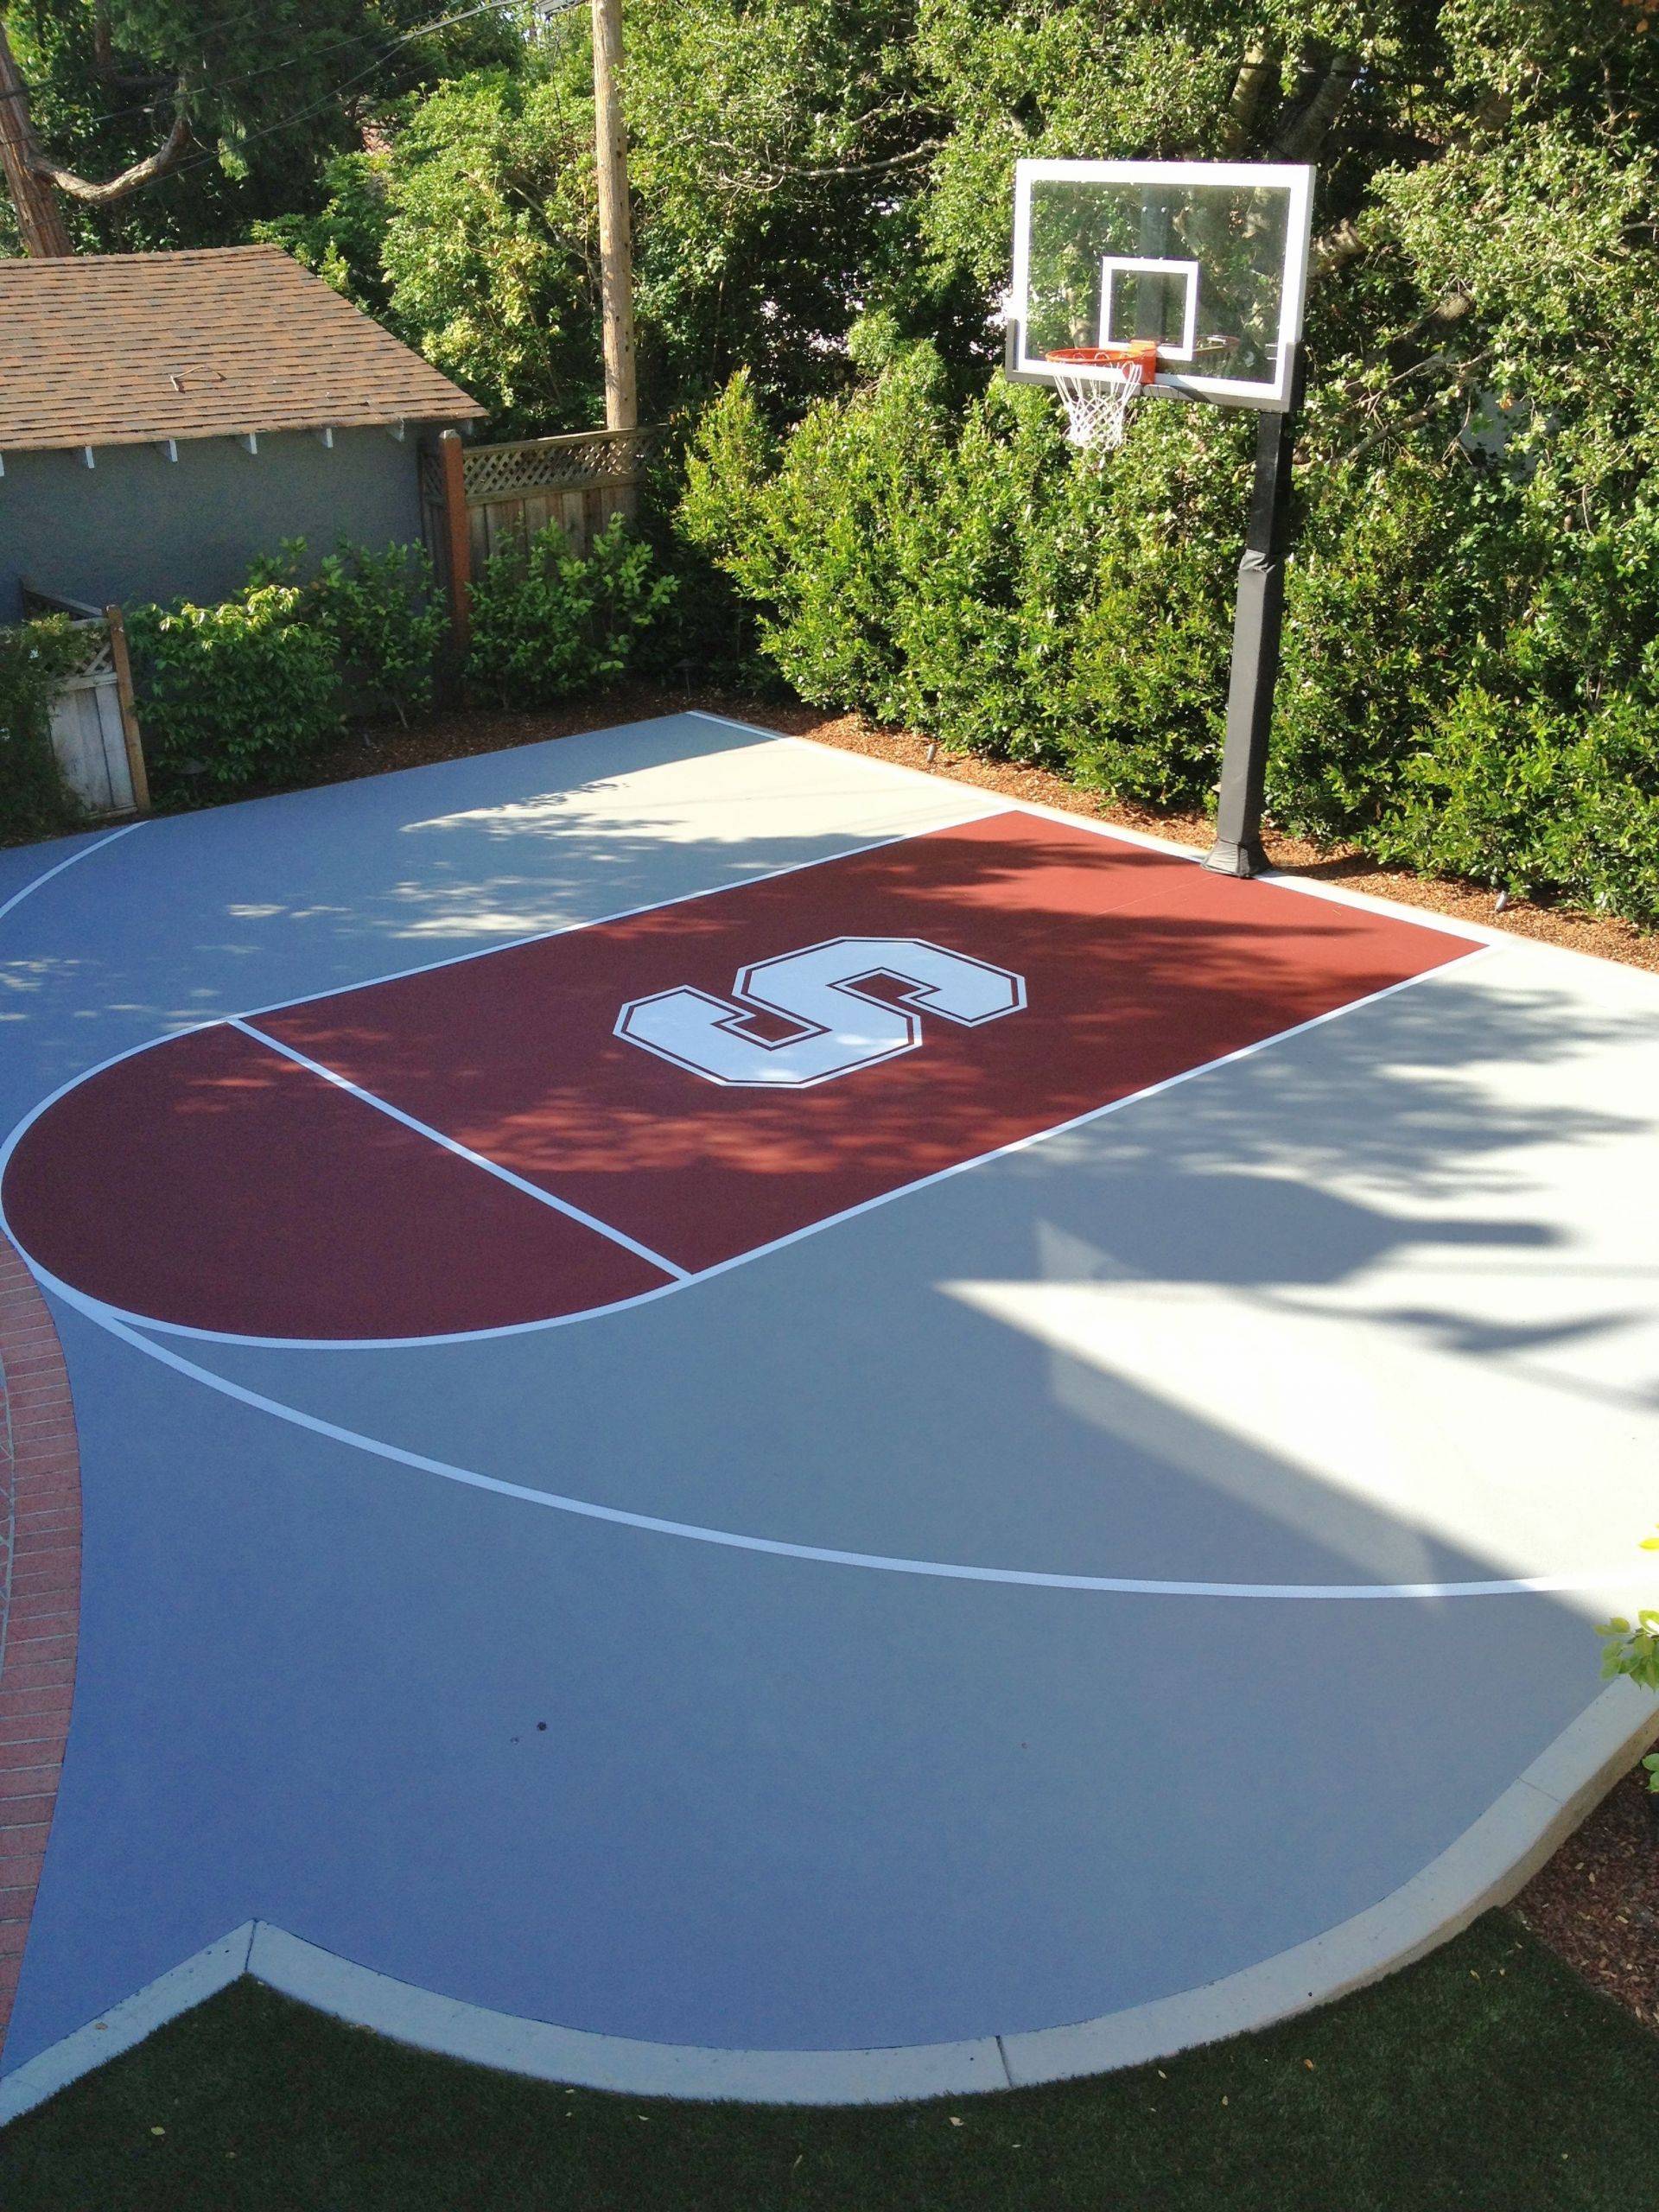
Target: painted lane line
{"type": "Point", "coordinates": [1602, 1578]}
{"type": "Point", "coordinates": [98, 1306]}
{"type": "Point", "coordinates": [117, 1325]}
{"type": "Point", "coordinates": [461, 1152]}
{"type": "Point", "coordinates": [98, 845]}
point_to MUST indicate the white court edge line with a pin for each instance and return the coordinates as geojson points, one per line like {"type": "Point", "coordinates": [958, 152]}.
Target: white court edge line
{"type": "Point", "coordinates": [123, 1326]}
{"type": "Point", "coordinates": [117, 1324]}
{"type": "Point", "coordinates": [1333, 894]}
{"type": "Point", "coordinates": [85, 851]}
{"type": "Point", "coordinates": [96, 1306]}
{"type": "Point", "coordinates": [110, 1318]}
{"type": "Point", "coordinates": [460, 1151]}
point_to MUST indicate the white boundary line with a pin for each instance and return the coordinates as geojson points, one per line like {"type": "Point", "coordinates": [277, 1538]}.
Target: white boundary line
{"type": "Point", "coordinates": [133, 1328]}
{"type": "Point", "coordinates": [460, 1151]}
{"type": "Point", "coordinates": [1485, 1867]}
{"type": "Point", "coordinates": [85, 851]}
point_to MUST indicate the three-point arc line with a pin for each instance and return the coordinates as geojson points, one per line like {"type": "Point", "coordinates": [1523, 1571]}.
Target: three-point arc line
{"type": "Point", "coordinates": [138, 1337]}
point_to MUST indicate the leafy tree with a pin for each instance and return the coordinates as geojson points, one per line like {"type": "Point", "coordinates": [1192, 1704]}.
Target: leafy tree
{"type": "Point", "coordinates": [775, 154]}
{"type": "Point", "coordinates": [264, 96]}
{"type": "Point", "coordinates": [778, 152]}
{"type": "Point", "coordinates": [489, 253]}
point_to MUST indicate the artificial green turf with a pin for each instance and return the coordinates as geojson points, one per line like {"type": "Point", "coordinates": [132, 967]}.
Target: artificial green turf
{"type": "Point", "coordinates": [1487, 2077]}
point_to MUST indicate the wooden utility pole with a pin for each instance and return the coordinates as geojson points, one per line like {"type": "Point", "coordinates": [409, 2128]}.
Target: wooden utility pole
{"type": "Point", "coordinates": [615, 230]}
{"type": "Point", "coordinates": [457, 536]}
{"type": "Point", "coordinates": [46, 235]}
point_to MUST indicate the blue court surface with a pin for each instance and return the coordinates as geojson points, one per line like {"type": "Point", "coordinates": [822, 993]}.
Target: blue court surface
{"type": "Point", "coordinates": [906, 1445]}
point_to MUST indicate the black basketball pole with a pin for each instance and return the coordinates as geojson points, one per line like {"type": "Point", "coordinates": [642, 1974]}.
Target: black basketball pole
{"type": "Point", "coordinates": [1237, 850]}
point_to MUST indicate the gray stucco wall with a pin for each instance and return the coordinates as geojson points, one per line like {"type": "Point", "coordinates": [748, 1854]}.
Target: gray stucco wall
{"type": "Point", "coordinates": [137, 527]}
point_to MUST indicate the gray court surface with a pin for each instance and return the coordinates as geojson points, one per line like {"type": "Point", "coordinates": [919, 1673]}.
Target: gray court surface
{"type": "Point", "coordinates": [368, 1694]}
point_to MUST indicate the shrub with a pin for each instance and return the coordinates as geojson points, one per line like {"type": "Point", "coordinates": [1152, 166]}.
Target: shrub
{"type": "Point", "coordinates": [1529, 799]}
{"type": "Point", "coordinates": [547, 623]}
{"type": "Point", "coordinates": [242, 692]}
{"type": "Point", "coordinates": [35, 656]}
{"type": "Point", "coordinates": [1159, 527]}
{"type": "Point", "coordinates": [1471, 677]}
{"type": "Point", "coordinates": [380, 610]}
{"type": "Point", "coordinates": [963, 575]}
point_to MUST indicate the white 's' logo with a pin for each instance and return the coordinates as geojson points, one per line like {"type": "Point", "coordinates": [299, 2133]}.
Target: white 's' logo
{"type": "Point", "coordinates": [822, 989]}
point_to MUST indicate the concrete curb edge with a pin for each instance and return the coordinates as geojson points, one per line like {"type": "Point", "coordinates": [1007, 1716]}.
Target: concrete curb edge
{"type": "Point", "coordinates": [1485, 1866]}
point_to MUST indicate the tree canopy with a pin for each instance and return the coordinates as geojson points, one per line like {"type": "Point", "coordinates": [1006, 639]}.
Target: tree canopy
{"type": "Point", "coordinates": [819, 179]}
{"type": "Point", "coordinates": [822, 208]}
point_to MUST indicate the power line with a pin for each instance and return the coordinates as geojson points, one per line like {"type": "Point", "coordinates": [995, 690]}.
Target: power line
{"type": "Point", "coordinates": [295, 60]}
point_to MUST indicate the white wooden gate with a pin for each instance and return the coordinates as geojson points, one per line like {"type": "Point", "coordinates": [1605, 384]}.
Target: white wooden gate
{"type": "Point", "coordinates": [94, 729]}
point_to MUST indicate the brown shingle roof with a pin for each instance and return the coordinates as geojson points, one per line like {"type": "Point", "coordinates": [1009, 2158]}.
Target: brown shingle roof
{"type": "Point", "coordinates": [111, 349]}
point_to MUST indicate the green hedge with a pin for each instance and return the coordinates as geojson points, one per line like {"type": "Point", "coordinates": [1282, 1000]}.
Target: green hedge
{"type": "Point", "coordinates": [548, 622]}
{"type": "Point", "coordinates": [381, 613]}
{"type": "Point", "coordinates": [229, 695]}
{"type": "Point", "coordinates": [248, 691]}
{"type": "Point", "coordinates": [1471, 679]}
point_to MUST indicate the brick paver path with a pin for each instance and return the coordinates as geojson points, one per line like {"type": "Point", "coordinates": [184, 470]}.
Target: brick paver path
{"type": "Point", "coordinates": [39, 1593]}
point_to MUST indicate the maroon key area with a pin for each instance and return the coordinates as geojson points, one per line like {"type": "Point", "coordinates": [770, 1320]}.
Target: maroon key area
{"type": "Point", "coordinates": [209, 1180]}
{"type": "Point", "coordinates": [212, 1182]}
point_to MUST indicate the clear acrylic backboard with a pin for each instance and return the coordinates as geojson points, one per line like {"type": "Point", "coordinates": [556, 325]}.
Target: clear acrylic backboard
{"type": "Point", "coordinates": [1208, 259]}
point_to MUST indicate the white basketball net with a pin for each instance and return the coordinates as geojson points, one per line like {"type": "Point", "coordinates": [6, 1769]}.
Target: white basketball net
{"type": "Point", "coordinates": [1097, 405]}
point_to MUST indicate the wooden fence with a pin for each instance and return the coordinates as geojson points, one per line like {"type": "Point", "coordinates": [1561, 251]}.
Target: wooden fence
{"type": "Point", "coordinates": [95, 737]}
{"type": "Point", "coordinates": [480, 500]}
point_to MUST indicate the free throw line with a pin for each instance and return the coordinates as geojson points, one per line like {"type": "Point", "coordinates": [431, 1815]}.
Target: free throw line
{"type": "Point", "coordinates": [461, 1152]}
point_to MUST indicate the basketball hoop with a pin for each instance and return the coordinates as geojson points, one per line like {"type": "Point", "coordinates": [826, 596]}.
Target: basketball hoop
{"type": "Point", "coordinates": [1097, 407]}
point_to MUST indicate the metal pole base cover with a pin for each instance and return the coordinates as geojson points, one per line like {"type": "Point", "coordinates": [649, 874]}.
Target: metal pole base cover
{"type": "Point", "coordinates": [1226, 858]}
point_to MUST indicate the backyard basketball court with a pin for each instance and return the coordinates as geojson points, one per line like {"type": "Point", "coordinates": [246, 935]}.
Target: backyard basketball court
{"type": "Point", "coordinates": [756, 1424]}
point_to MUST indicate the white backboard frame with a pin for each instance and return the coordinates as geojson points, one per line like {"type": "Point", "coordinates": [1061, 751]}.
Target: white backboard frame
{"type": "Point", "coordinates": [1295, 179]}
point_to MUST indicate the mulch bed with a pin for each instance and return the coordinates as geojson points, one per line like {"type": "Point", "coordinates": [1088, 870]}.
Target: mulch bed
{"type": "Point", "coordinates": [1596, 1904]}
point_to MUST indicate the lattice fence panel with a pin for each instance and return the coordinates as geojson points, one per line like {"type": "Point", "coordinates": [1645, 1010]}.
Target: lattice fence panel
{"type": "Point", "coordinates": [97, 653]}
{"type": "Point", "coordinates": [594, 457]}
